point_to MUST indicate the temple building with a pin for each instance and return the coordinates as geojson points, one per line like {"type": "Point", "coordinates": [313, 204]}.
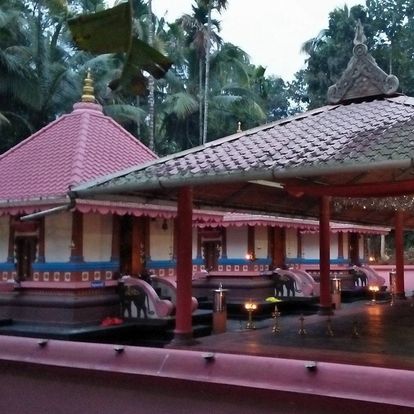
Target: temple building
{"type": "Point", "coordinates": [82, 203]}
{"type": "Point", "coordinates": [75, 252]}
{"type": "Point", "coordinates": [348, 161]}
{"type": "Point", "coordinates": [53, 258]}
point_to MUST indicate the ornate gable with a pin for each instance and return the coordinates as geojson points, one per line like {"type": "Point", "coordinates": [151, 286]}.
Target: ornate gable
{"type": "Point", "coordinates": [362, 77]}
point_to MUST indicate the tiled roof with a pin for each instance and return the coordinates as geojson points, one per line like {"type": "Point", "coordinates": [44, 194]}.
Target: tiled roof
{"type": "Point", "coordinates": [76, 148]}
{"type": "Point", "coordinates": [332, 137]}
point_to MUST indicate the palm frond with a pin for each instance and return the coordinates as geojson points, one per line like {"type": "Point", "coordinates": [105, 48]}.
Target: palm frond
{"type": "Point", "coordinates": [3, 120]}
{"type": "Point", "coordinates": [224, 101]}
{"type": "Point", "coordinates": [125, 113]}
{"type": "Point", "coordinates": [15, 118]}
{"type": "Point", "coordinates": [181, 104]}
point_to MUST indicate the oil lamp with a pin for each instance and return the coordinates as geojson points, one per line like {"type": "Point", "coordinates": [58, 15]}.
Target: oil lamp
{"type": "Point", "coordinates": [275, 313]}
{"type": "Point", "coordinates": [250, 306]}
{"type": "Point", "coordinates": [374, 289]}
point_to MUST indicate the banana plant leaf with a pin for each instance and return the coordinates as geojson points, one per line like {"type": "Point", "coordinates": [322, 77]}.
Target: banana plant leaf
{"type": "Point", "coordinates": [110, 31]}
{"type": "Point", "coordinates": [141, 57]}
{"type": "Point", "coordinates": [135, 83]}
{"type": "Point", "coordinates": [107, 31]}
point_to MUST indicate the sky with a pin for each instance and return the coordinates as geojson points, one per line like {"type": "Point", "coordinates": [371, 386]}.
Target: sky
{"type": "Point", "coordinates": [271, 32]}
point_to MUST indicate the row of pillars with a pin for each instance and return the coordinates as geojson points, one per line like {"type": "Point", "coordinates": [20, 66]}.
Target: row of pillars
{"type": "Point", "coordinates": [324, 246]}
{"type": "Point", "coordinates": [183, 330]}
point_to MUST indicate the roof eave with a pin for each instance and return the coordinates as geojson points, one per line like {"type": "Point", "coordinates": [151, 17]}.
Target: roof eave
{"type": "Point", "coordinates": [176, 182]}
{"type": "Point", "coordinates": [331, 169]}
{"type": "Point", "coordinates": [275, 173]}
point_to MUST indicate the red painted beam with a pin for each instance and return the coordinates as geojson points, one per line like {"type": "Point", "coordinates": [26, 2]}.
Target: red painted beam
{"type": "Point", "coordinates": [378, 189]}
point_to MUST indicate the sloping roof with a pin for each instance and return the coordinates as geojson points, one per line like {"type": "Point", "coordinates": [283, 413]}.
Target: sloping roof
{"type": "Point", "coordinates": [348, 137]}
{"type": "Point", "coordinates": [366, 142]}
{"type": "Point", "coordinates": [74, 149]}
{"type": "Point", "coordinates": [361, 145]}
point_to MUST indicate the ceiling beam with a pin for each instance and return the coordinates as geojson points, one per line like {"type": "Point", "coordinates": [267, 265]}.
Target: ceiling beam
{"type": "Point", "coordinates": [375, 189]}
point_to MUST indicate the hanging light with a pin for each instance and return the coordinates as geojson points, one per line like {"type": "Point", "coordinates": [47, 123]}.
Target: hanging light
{"type": "Point", "coordinates": [250, 256]}
{"type": "Point", "coordinates": [403, 203]}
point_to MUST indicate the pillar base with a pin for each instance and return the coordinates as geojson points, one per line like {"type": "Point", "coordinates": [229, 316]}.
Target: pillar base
{"type": "Point", "coordinates": [219, 322]}
{"type": "Point", "coordinates": [400, 296]}
{"type": "Point", "coordinates": [182, 339]}
{"type": "Point", "coordinates": [325, 310]}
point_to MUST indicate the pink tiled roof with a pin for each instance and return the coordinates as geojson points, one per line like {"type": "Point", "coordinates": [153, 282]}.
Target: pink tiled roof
{"type": "Point", "coordinates": [76, 148]}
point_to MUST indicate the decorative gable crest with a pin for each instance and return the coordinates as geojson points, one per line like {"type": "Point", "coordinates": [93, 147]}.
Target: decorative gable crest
{"type": "Point", "coordinates": [362, 77]}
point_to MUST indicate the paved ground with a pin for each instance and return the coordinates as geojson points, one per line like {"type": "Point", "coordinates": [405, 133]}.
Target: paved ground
{"type": "Point", "coordinates": [380, 334]}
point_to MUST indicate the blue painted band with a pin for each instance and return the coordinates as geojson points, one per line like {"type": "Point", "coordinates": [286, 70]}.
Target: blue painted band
{"type": "Point", "coordinates": [7, 267]}
{"type": "Point", "coordinates": [162, 264]}
{"type": "Point", "coordinates": [243, 261]}
{"type": "Point", "coordinates": [299, 260]}
{"type": "Point", "coordinates": [75, 266]}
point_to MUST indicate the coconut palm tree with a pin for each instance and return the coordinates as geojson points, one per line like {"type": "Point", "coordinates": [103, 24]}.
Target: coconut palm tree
{"type": "Point", "coordinates": [151, 86]}
{"type": "Point", "coordinates": [197, 26]}
{"type": "Point", "coordinates": [43, 75]}
{"type": "Point", "coordinates": [218, 5]}
{"type": "Point", "coordinates": [32, 61]}
{"type": "Point", "coordinates": [14, 70]}
{"type": "Point", "coordinates": [234, 92]}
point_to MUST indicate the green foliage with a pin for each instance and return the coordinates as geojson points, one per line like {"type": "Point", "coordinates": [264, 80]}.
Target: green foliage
{"type": "Point", "coordinates": [389, 28]}
{"type": "Point", "coordinates": [42, 71]}
{"type": "Point", "coordinates": [90, 33]}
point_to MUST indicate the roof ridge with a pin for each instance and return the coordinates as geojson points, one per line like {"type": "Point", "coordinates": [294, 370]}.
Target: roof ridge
{"type": "Point", "coordinates": [130, 136]}
{"type": "Point", "coordinates": [89, 108]}
{"type": "Point", "coordinates": [136, 141]}
{"type": "Point", "coordinates": [79, 155]}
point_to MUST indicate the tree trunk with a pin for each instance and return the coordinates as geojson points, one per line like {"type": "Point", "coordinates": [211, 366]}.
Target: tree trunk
{"type": "Point", "coordinates": [200, 101]}
{"type": "Point", "coordinates": [138, 104]}
{"type": "Point", "coordinates": [207, 73]}
{"type": "Point", "coordinates": [151, 85]}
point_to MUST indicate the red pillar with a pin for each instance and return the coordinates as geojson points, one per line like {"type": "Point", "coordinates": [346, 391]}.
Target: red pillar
{"type": "Point", "coordinates": [340, 245]}
{"type": "Point", "coordinates": [10, 255]}
{"type": "Point", "coordinates": [399, 254]}
{"type": "Point", "coordinates": [354, 249]}
{"type": "Point", "coordinates": [299, 247]}
{"type": "Point", "coordinates": [41, 242]}
{"type": "Point", "coordinates": [324, 256]}
{"type": "Point", "coordinates": [183, 333]}
{"type": "Point", "coordinates": [116, 232]}
{"type": "Point", "coordinates": [251, 249]}
{"type": "Point", "coordinates": [77, 237]}
{"type": "Point", "coordinates": [279, 248]}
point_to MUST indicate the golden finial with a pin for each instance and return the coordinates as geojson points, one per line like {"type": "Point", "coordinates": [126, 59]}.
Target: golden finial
{"type": "Point", "coordinates": [239, 127]}
{"type": "Point", "coordinates": [88, 92]}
